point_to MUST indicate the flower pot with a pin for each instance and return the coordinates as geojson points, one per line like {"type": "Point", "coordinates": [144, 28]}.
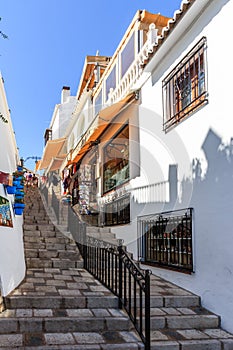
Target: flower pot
{"type": "Point", "coordinates": [16, 183]}
{"type": "Point", "coordinates": [19, 192]}
{"type": "Point", "coordinates": [19, 205]}
{"type": "Point", "coordinates": [18, 208]}
{"type": "Point", "coordinates": [11, 189]}
{"type": "Point", "coordinates": [18, 211]}
{"type": "Point", "coordinates": [18, 197]}
{"type": "Point", "coordinates": [17, 177]}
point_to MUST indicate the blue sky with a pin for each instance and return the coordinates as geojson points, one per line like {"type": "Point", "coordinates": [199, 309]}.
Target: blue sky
{"type": "Point", "coordinates": [47, 45]}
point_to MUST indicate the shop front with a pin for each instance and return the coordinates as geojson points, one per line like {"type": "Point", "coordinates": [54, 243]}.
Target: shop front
{"type": "Point", "coordinates": [105, 166]}
{"type": "Point", "coordinates": [116, 174]}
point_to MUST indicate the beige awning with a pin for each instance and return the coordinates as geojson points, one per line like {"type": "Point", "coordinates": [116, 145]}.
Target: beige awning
{"type": "Point", "coordinates": [56, 163]}
{"type": "Point", "coordinates": [104, 118]}
{"type": "Point", "coordinates": [52, 150]}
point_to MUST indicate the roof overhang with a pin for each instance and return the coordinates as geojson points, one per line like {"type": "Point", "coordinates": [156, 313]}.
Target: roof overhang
{"type": "Point", "coordinates": [52, 150]}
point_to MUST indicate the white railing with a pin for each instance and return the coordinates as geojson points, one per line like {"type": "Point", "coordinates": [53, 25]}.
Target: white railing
{"type": "Point", "coordinates": [154, 193]}
{"type": "Point", "coordinates": [133, 74]}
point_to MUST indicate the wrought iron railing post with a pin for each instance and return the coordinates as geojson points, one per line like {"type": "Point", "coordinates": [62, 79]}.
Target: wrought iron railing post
{"type": "Point", "coordinates": [120, 284]}
{"type": "Point", "coordinates": [147, 309]}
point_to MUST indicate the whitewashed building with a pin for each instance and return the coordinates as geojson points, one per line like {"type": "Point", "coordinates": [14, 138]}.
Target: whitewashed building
{"type": "Point", "coordinates": [12, 263]}
{"type": "Point", "coordinates": [55, 150]}
{"type": "Point", "coordinates": [150, 151]}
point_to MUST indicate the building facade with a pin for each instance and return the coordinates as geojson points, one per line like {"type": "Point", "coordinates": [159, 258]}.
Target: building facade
{"type": "Point", "coordinates": [150, 149]}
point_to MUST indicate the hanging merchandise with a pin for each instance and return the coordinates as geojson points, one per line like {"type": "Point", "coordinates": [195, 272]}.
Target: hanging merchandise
{"type": "Point", "coordinates": [5, 178]}
{"type": "Point", "coordinates": [85, 182]}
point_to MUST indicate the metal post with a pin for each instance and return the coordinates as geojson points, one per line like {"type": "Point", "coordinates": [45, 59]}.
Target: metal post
{"type": "Point", "coordinates": [120, 250]}
{"type": "Point", "coordinates": [147, 309]}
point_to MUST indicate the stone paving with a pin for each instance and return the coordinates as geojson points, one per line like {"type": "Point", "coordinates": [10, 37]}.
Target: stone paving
{"type": "Point", "coordinates": [60, 305]}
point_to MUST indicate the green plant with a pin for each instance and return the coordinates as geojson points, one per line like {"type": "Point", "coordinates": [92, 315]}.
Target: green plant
{"type": "Point", "coordinates": [19, 200]}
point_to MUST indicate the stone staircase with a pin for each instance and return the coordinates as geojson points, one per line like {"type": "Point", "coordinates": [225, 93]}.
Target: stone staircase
{"type": "Point", "coordinates": [103, 234]}
{"type": "Point", "coordinates": [59, 305]}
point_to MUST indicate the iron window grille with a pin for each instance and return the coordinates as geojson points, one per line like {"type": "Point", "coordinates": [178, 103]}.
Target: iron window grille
{"type": "Point", "coordinates": [117, 212]}
{"type": "Point", "coordinates": [165, 240]}
{"type": "Point", "coordinates": [185, 88]}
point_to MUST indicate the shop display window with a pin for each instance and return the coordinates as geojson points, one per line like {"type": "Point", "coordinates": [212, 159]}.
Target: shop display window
{"type": "Point", "coordinates": [116, 160]}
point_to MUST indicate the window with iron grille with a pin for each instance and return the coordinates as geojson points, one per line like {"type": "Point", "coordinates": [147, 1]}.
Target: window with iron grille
{"type": "Point", "coordinates": [117, 212]}
{"type": "Point", "coordinates": [165, 239]}
{"type": "Point", "coordinates": [185, 88]}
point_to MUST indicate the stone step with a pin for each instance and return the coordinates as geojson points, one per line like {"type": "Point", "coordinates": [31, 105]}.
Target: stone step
{"type": "Point", "coordinates": [70, 253]}
{"type": "Point", "coordinates": [53, 263]}
{"type": "Point", "coordinates": [103, 236]}
{"type": "Point", "coordinates": [44, 245]}
{"type": "Point", "coordinates": [61, 302]}
{"type": "Point", "coordinates": [185, 322]}
{"type": "Point", "coordinates": [94, 229]}
{"type": "Point", "coordinates": [62, 320]}
{"type": "Point", "coordinates": [104, 340]}
{"type": "Point", "coordinates": [191, 339]}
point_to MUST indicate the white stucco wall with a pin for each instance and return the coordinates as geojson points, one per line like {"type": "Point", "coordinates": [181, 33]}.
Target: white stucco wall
{"type": "Point", "coordinates": [201, 134]}
{"type": "Point", "coordinates": [62, 116]}
{"type": "Point", "coordinates": [197, 137]}
{"type": "Point", "coordinates": [12, 263]}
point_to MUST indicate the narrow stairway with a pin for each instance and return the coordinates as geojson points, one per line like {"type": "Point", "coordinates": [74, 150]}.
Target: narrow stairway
{"type": "Point", "coordinates": [59, 305]}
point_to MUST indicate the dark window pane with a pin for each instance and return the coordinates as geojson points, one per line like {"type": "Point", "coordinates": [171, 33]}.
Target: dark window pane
{"type": "Point", "coordinates": [127, 56]}
{"type": "Point", "coordinates": [116, 160]}
{"type": "Point", "coordinates": [98, 103]}
{"type": "Point", "coordinates": [111, 81]}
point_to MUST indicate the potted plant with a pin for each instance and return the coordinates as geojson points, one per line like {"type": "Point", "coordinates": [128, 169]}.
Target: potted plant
{"type": "Point", "coordinates": [11, 189]}
{"type": "Point", "coordinates": [19, 206]}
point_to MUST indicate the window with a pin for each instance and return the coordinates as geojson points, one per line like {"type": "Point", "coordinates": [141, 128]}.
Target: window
{"type": "Point", "coordinates": [127, 56]}
{"type": "Point", "coordinates": [117, 212]}
{"type": "Point", "coordinates": [185, 88]}
{"type": "Point", "coordinates": [47, 135]}
{"type": "Point", "coordinates": [98, 103]}
{"type": "Point", "coordinates": [111, 81]}
{"type": "Point", "coordinates": [116, 161]}
{"type": "Point", "coordinates": [165, 239]}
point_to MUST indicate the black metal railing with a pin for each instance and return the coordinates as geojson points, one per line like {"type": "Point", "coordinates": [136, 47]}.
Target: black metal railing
{"type": "Point", "coordinates": [114, 268]}
{"type": "Point", "coordinates": [165, 239]}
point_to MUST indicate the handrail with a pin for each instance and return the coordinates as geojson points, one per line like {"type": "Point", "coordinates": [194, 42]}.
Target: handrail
{"type": "Point", "coordinates": [114, 268]}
